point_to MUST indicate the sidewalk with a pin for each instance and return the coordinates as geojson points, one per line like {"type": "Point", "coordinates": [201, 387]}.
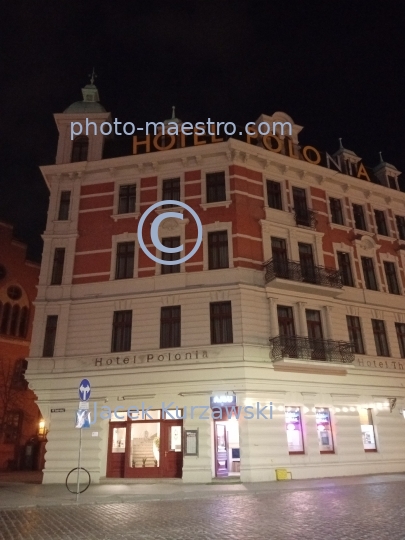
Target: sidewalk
{"type": "Point", "coordinates": [14, 494]}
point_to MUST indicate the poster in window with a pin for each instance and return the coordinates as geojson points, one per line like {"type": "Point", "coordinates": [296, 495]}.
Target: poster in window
{"type": "Point", "coordinates": [294, 430]}
{"type": "Point", "coordinates": [324, 430]}
{"type": "Point", "coordinates": [367, 432]}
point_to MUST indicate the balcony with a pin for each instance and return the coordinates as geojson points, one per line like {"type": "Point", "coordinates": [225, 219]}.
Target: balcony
{"type": "Point", "coordinates": [293, 275]}
{"type": "Point", "coordinates": [303, 348]}
{"type": "Point", "coordinates": [305, 217]}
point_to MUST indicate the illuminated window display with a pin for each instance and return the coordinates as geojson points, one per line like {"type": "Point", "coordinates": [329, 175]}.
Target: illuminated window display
{"type": "Point", "coordinates": [118, 444]}
{"type": "Point", "coordinates": [145, 442]}
{"type": "Point", "coordinates": [294, 430]}
{"type": "Point", "coordinates": [324, 429]}
{"type": "Point", "coordinates": [367, 430]}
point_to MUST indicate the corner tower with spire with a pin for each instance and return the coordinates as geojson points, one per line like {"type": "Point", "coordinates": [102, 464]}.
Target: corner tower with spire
{"type": "Point", "coordinates": [90, 114]}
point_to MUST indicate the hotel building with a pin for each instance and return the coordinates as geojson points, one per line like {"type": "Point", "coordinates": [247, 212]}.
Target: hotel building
{"type": "Point", "coordinates": [295, 298]}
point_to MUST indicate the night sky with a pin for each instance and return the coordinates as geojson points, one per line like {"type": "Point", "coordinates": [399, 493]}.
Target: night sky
{"type": "Point", "coordinates": [337, 68]}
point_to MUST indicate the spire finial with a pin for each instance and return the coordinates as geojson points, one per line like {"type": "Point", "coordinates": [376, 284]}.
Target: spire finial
{"type": "Point", "coordinates": [92, 76]}
{"type": "Point", "coordinates": [174, 111]}
{"type": "Point", "coordinates": [381, 158]}
{"type": "Point", "coordinates": [340, 143]}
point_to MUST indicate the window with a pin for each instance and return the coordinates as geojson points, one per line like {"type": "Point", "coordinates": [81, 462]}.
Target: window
{"type": "Point", "coordinates": [221, 322]}
{"type": "Point", "coordinates": [23, 325]}
{"type": "Point", "coordinates": [280, 259]}
{"type": "Point", "coordinates": [274, 195]}
{"type": "Point", "coordinates": [307, 263]}
{"type": "Point", "coordinates": [5, 319]}
{"type": "Point", "coordinates": [12, 426]}
{"type": "Point", "coordinates": [345, 268]}
{"type": "Point", "coordinates": [50, 335]}
{"type": "Point", "coordinates": [285, 321]}
{"type": "Point", "coordinates": [300, 207]}
{"type": "Point", "coordinates": [170, 327]}
{"type": "Point", "coordinates": [3, 272]}
{"type": "Point", "coordinates": [18, 381]}
{"type": "Point", "coordinates": [15, 316]}
{"type": "Point", "coordinates": [392, 182]}
{"type": "Point", "coordinates": [122, 330]}
{"type": "Point", "coordinates": [58, 263]}
{"type": "Point", "coordinates": [359, 219]}
{"type": "Point", "coordinates": [336, 211]}
{"type": "Point", "coordinates": [64, 205]}
{"type": "Point", "coordinates": [127, 199]}
{"type": "Point", "coordinates": [391, 277]}
{"type": "Point", "coordinates": [315, 334]}
{"type": "Point", "coordinates": [171, 190]}
{"type": "Point", "coordinates": [381, 222]}
{"type": "Point", "coordinates": [216, 187]}
{"type": "Point", "coordinates": [14, 292]}
{"type": "Point", "coordinates": [369, 274]}
{"type": "Point", "coordinates": [324, 429]}
{"type": "Point", "coordinates": [171, 242]}
{"type": "Point", "coordinates": [401, 226]}
{"type": "Point", "coordinates": [367, 430]}
{"type": "Point", "coordinates": [355, 333]}
{"type": "Point", "coordinates": [80, 149]}
{"type": "Point", "coordinates": [380, 337]}
{"type": "Point", "coordinates": [400, 329]}
{"type": "Point", "coordinates": [287, 331]}
{"type": "Point", "coordinates": [124, 267]}
{"type": "Point", "coordinates": [293, 427]}
{"type": "Point", "coordinates": [218, 250]}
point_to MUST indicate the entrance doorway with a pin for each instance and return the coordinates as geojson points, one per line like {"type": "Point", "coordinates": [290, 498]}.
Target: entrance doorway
{"type": "Point", "coordinates": [226, 447]}
{"type": "Point", "coordinates": [145, 448]}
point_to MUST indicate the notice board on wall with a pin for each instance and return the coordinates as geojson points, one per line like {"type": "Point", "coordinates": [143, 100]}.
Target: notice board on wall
{"type": "Point", "coordinates": [191, 442]}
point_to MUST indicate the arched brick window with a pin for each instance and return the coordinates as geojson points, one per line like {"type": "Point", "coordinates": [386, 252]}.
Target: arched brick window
{"type": "Point", "coordinates": [14, 311]}
{"type": "Point", "coordinates": [5, 319]}
{"type": "Point", "coordinates": [15, 319]}
{"type": "Point", "coordinates": [80, 149]}
{"type": "Point", "coordinates": [23, 326]}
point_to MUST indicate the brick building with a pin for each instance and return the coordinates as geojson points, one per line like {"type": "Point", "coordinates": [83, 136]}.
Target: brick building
{"type": "Point", "coordinates": [294, 301]}
{"type": "Point", "coordinates": [19, 414]}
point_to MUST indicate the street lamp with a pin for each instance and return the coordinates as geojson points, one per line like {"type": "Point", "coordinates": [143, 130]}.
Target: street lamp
{"type": "Point", "coordinates": [42, 431]}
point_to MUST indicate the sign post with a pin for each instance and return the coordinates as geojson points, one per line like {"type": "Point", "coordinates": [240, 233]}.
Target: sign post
{"type": "Point", "coordinates": [82, 421]}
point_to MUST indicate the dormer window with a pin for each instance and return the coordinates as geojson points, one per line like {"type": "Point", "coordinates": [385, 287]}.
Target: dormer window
{"type": "Point", "coordinates": [80, 149]}
{"type": "Point", "coordinates": [392, 183]}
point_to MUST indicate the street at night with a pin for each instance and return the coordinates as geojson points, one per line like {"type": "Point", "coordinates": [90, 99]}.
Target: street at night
{"type": "Point", "coordinates": [349, 509]}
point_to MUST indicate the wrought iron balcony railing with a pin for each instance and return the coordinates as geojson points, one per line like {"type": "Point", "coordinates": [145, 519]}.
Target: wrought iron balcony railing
{"type": "Point", "coordinates": [285, 269]}
{"type": "Point", "coordinates": [305, 217]}
{"type": "Point", "coordinates": [305, 348]}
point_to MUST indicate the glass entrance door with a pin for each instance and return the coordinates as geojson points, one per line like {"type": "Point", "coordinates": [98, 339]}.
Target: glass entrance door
{"type": "Point", "coordinates": [172, 449]}
{"type": "Point", "coordinates": [116, 450]}
{"type": "Point", "coordinates": [221, 450]}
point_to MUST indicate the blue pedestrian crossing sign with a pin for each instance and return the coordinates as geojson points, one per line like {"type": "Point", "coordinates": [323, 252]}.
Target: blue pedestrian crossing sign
{"type": "Point", "coordinates": [84, 390]}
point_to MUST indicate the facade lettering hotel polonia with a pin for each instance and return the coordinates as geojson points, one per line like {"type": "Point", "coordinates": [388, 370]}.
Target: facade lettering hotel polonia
{"type": "Point", "coordinates": [273, 143]}
{"type": "Point", "coordinates": [148, 358]}
{"type": "Point", "coordinates": [379, 364]}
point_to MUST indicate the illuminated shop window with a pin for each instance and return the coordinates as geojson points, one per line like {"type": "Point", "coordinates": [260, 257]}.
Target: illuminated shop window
{"type": "Point", "coordinates": [367, 430]}
{"type": "Point", "coordinates": [324, 429]}
{"type": "Point", "coordinates": [294, 430]}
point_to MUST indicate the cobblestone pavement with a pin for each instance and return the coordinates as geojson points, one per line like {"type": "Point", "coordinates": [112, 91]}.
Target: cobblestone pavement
{"type": "Point", "coordinates": [352, 512]}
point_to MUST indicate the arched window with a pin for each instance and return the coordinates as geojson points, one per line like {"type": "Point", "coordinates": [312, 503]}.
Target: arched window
{"type": "Point", "coordinates": [80, 149]}
{"type": "Point", "coordinates": [5, 319]}
{"type": "Point", "coordinates": [22, 330]}
{"type": "Point", "coordinates": [15, 317]}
